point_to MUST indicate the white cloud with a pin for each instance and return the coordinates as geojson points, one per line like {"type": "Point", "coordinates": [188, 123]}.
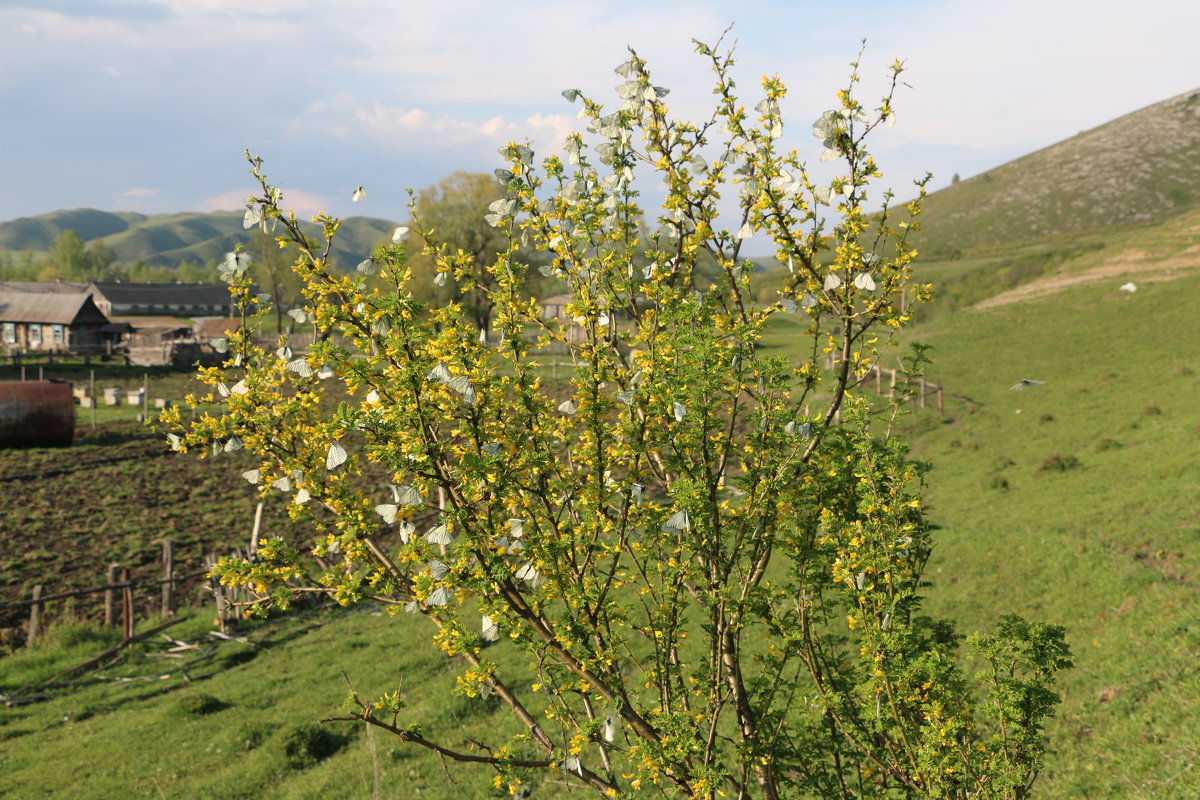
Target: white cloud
{"type": "Point", "coordinates": [416, 130]}
{"type": "Point", "coordinates": [305, 204]}
{"type": "Point", "coordinates": [137, 192]}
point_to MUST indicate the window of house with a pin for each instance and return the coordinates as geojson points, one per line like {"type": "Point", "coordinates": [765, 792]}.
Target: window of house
{"type": "Point", "coordinates": [35, 333]}
{"type": "Point", "coordinates": [57, 333]}
{"type": "Point", "coordinates": [10, 333]}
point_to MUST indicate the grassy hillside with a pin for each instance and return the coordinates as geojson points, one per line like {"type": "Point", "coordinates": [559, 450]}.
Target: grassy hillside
{"type": "Point", "coordinates": [167, 239]}
{"type": "Point", "coordinates": [1141, 167]}
{"type": "Point", "coordinates": [38, 233]}
{"type": "Point", "coordinates": [1075, 503]}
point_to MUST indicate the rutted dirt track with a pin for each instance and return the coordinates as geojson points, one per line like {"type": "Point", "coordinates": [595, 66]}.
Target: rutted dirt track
{"type": "Point", "coordinates": [1134, 265]}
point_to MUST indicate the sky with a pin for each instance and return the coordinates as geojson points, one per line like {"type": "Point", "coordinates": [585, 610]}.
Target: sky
{"type": "Point", "coordinates": [147, 105]}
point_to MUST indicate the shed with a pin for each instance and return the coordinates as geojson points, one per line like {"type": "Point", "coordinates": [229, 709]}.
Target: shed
{"type": "Point", "coordinates": [178, 299]}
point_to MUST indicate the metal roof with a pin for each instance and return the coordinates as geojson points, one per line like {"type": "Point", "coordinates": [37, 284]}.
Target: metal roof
{"type": "Point", "coordinates": [43, 287]}
{"type": "Point", "coordinates": [57, 309]}
{"type": "Point", "coordinates": [160, 294]}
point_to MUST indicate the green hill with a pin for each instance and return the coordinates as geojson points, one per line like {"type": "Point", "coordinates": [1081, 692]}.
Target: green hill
{"type": "Point", "coordinates": [1141, 167]}
{"type": "Point", "coordinates": [167, 239]}
{"type": "Point", "coordinates": [38, 233]}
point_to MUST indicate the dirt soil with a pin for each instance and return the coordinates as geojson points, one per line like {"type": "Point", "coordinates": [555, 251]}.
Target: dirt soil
{"type": "Point", "coordinates": [66, 513]}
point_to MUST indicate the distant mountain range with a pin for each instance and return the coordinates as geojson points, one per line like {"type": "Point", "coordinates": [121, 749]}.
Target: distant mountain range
{"type": "Point", "coordinates": [167, 239]}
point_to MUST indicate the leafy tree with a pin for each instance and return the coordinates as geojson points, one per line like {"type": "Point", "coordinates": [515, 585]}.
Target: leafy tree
{"type": "Point", "coordinates": [708, 556]}
{"type": "Point", "coordinates": [452, 227]}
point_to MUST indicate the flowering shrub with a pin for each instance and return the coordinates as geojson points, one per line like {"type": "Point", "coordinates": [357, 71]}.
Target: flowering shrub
{"type": "Point", "coordinates": [710, 555]}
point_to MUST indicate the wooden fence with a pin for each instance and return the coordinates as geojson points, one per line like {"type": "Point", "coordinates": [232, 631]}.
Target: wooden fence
{"type": "Point", "coordinates": [885, 382]}
{"type": "Point", "coordinates": [118, 588]}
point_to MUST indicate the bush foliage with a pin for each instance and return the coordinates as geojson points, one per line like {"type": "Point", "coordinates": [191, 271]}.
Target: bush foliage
{"type": "Point", "coordinates": [707, 557]}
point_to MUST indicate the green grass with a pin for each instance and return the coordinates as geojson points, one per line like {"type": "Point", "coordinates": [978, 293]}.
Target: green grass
{"type": "Point", "coordinates": [1107, 546]}
{"type": "Point", "coordinates": [245, 724]}
{"type": "Point", "coordinates": [1072, 503]}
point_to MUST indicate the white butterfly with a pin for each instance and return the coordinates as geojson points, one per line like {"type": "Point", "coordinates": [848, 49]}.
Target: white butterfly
{"type": "Point", "coordinates": [625, 397]}
{"type": "Point", "coordinates": [528, 573]}
{"type": "Point", "coordinates": [746, 231]}
{"type": "Point", "coordinates": [359, 195]}
{"type": "Point", "coordinates": [251, 476]}
{"type": "Point", "coordinates": [366, 266]}
{"type": "Point", "coordinates": [438, 597]}
{"type": "Point", "coordinates": [372, 396]}
{"type": "Point", "coordinates": [175, 440]}
{"type": "Point", "coordinates": [239, 388]}
{"type": "Point", "coordinates": [302, 497]}
{"type": "Point", "coordinates": [220, 345]}
{"type": "Point", "coordinates": [491, 631]}
{"type": "Point", "coordinates": [406, 530]}
{"type": "Point", "coordinates": [283, 484]}
{"type": "Point", "coordinates": [399, 234]}
{"type": "Point", "coordinates": [679, 410]}
{"type": "Point", "coordinates": [298, 314]}
{"type": "Point", "coordinates": [572, 764]}
{"type": "Point", "coordinates": [325, 372]}
{"type": "Point", "coordinates": [609, 731]}
{"type": "Point", "coordinates": [439, 373]}
{"type": "Point", "coordinates": [438, 570]}
{"type": "Point", "coordinates": [335, 456]}
{"type": "Point", "coordinates": [865, 282]}
{"type": "Point", "coordinates": [300, 367]}
{"type": "Point", "coordinates": [284, 353]}
{"type": "Point", "coordinates": [678, 522]}
{"type": "Point", "coordinates": [233, 445]}
{"type": "Point", "coordinates": [567, 407]}
{"type": "Point", "coordinates": [438, 534]}
{"type": "Point", "coordinates": [387, 511]}
{"type": "Point", "coordinates": [407, 496]}
{"type": "Point", "coordinates": [832, 281]}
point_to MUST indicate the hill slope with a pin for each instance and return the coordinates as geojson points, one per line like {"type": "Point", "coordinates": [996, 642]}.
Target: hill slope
{"type": "Point", "coordinates": [1140, 167]}
{"type": "Point", "coordinates": [167, 239]}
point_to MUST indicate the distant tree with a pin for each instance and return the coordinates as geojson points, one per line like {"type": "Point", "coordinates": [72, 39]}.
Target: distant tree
{"type": "Point", "coordinates": [955, 179]}
{"type": "Point", "coordinates": [451, 226]}
{"type": "Point", "coordinates": [101, 263]}
{"type": "Point", "coordinates": [271, 269]}
{"type": "Point", "coordinates": [67, 260]}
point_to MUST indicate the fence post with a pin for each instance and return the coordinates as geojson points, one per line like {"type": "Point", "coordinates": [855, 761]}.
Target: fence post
{"type": "Point", "coordinates": [892, 386]}
{"type": "Point", "coordinates": [878, 379]}
{"type": "Point", "coordinates": [110, 594]}
{"type": "Point", "coordinates": [940, 407]}
{"type": "Point", "coordinates": [168, 587]}
{"type": "Point", "coordinates": [257, 527]}
{"type": "Point", "coordinates": [35, 617]}
{"type": "Point", "coordinates": [126, 604]}
{"type": "Point", "coordinates": [924, 391]}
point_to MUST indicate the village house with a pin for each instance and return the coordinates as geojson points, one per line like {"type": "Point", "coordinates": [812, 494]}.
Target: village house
{"type": "Point", "coordinates": [52, 322]}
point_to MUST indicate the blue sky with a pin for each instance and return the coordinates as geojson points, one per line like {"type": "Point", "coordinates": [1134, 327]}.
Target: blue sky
{"type": "Point", "coordinates": [146, 105]}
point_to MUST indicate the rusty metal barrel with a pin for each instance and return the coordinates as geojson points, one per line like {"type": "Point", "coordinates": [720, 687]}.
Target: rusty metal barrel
{"type": "Point", "coordinates": [36, 414]}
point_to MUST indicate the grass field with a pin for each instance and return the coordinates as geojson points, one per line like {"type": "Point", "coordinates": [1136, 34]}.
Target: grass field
{"type": "Point", "coordinates": [1074, 503]}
